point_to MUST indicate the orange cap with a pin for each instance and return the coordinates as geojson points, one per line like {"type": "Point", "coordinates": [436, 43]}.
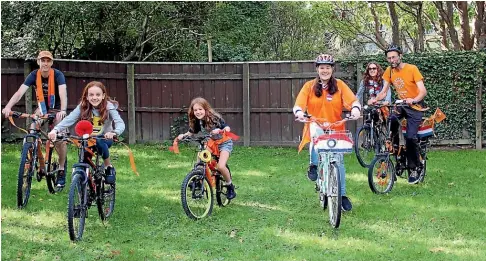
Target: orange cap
{"type": "Point", "coordinates": [45, 54]}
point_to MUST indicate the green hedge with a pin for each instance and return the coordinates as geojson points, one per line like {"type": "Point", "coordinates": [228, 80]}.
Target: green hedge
{"type": "Point", "coordinates": [451, 80]}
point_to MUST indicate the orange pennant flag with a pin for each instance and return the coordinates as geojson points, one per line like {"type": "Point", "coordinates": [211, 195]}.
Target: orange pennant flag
{"type": "Point", "coordinates": [175, 146]}
{"type": "Point", "coordinates": [439, 115]}
{"type": "Point", "coordinates": [232, 135]}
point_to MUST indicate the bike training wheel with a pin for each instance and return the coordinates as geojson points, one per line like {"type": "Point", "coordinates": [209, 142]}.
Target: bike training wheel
{"type": "Point", "coordinates": [334, 196]}
{"type": "Point", "coordinates": [197, 195]}
{"type": "Point", "coordinates": [381, 176]}
{"type": "Point", "coordinates": [222, 190]}
{"type": "Point", "coordinates": [365, 147]}
{"type": "Point", "coordinates": [106, 197]}
{"type": "Point", "coordinates": [77, 207]}
{"type": "Point", "coordinates": [26, 172]}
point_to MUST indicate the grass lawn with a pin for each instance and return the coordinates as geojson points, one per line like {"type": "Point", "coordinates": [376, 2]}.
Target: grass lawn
{"type": "Point", "coordinates": [276, 215]}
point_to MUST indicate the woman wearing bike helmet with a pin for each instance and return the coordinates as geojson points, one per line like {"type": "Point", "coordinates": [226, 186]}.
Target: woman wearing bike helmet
{"type": "Point", "coordinates": [325, 97]}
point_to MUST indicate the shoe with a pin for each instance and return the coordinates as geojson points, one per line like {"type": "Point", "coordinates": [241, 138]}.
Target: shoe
{"type": "Point", "coordinates": [61, 179]}
{"type": "Point", "coordinates": [110, 175]}
{"type": "Point", "coordinates": [231, 194]}
{"type": "Point", "coordinates": [312, 173]}
{"type": "Point", "coordinates": [413, 178]}
{"type": "Point", "coordinates": [346, 203]}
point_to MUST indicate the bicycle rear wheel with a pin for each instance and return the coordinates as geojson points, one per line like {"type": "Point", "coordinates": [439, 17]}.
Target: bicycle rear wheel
{"type": "Point", "coordinates": [106, 199]}
{"type": "Point", "coordinates": [77, 207]}
{"type": "Point", "coordinates": [26, 172]}
{"type": "Point", "coordinates": [222, 191]}
{"type": "Point", "coordinates": [381, 176]}
{"type": "Point", "coordinates": [365, 145]}
{"type": "Point", "coordinates": [197, 195]}
{"type": "Point", "coordinates": [334, 195]}
{"type": "Point", "coordinates": [51, 177]}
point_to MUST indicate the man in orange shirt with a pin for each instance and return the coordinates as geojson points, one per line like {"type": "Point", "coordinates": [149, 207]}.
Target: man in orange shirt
{"type": "Point", "coordinates": [325, 97]}
{"type": "Point", "coordinates": [409, 86]}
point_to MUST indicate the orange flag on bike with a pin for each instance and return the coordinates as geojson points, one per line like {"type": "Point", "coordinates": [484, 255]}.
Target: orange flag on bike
{"type": "Point", "coordinates": [175, 147]}
{"type": "Point", "coordinates": [232, 135]}
{"type": "Point", "coordinates": [439, 115]}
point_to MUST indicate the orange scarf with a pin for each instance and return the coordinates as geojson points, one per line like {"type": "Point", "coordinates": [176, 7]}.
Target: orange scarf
{"type": "Point", "coordinates": [51, 101]}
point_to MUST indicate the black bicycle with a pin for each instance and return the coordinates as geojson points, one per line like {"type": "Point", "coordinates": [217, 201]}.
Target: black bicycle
{"type": "Point", "coordinates": [32, 159]}
{"type": "Point", "coordinates": [87, 186]}
{"type": "Point", "coordinates": [383, 171]}
{"type": "Point", "coordinates": [370, 138]}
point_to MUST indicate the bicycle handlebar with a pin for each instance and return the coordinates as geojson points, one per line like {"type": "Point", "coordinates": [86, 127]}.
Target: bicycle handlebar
{"type": "Point", "coordinates": [324, 123]}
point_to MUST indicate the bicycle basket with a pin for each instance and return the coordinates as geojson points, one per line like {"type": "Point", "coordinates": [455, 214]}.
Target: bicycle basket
{"type": "Point", "coordinates": [334, 141]}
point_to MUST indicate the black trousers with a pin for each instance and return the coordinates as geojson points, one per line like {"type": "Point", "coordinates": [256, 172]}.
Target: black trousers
{"type": "Point", "coordinates": [414, 118]}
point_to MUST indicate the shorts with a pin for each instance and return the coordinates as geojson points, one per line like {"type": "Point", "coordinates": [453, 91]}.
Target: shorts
{"type": "Point", "coordinates": [227, 146]}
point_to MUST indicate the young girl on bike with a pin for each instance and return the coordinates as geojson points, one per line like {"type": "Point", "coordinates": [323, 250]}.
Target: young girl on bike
{"type": "Point", "coordinates": [325, 97]}
{"type": "Point", "coordinates": [98, 108]}
{"type": "Point", "coordinates": [203, 118]}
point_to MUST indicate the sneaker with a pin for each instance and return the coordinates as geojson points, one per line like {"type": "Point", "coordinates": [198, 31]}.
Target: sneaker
{"type": "Point", "coordinates": [312, 173]}
{"type": "Point", "coordinates": [110, 175]}
{"type": "Point", "coordinates": [413, 178]}
{"type": "Point", "coordinates": [346, 203]}
{"type": "Point", "coordinates": [61, 179]}
{"type": "Point", "coordinates": [231, 191]}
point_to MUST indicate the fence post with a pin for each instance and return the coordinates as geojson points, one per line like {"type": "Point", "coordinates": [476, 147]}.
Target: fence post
{"type": "Point", "coordinates": [28, 93]}
{"type": "Point", "coordinates": [246, 104]}
{"type": "Point", "coordinates": [479, 122]}
{"type": "Point", "coordinates": [132, 135]}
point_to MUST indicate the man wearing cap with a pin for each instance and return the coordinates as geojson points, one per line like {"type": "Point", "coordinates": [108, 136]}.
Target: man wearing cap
{"type": "Point", "coordinates": [51, 93]}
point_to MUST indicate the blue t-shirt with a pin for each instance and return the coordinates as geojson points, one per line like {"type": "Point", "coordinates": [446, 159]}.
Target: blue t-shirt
{"type": "Point", "coordinates": [58, 80]}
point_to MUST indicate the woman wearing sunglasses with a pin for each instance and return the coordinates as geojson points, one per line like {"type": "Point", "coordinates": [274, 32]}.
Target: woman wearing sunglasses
{"type": "Point", "coordinates": [372, 83]}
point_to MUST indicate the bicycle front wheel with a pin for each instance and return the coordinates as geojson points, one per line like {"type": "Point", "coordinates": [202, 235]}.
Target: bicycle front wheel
{"type": "Point", "coordinates": [197, 195]}
{"type": "Point", "coordinates": [77, 207]}
{"type": "Point", "coordinates": [381, 176]}
{"type": "Point", "coordinates": [26, 172]}
{"type": "Point", "coordinates": [334, 195]}
{"type": "Point", "coordinates": [364, 147]}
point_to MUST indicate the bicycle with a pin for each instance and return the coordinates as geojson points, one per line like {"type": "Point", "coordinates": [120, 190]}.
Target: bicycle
{"type": "Point", "coordinates": [382, 171]}
{"type": "Point", "coordinates": [87, 184]}
{"type": "Point", "coordinates": [198, 186]}
{"type": "Point", "coordinates": [330, 146]}
{"type": "Point", "coordinates": [32, 159]}
{"type": "Point", "coordinates": [370, 138]}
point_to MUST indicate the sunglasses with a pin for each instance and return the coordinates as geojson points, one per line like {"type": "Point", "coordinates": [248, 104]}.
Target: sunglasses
{"type": "Point", "coordinates": [372, 68]}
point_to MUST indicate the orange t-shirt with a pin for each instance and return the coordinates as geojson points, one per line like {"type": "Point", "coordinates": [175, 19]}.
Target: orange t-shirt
{"type": "Point", "coordinates": [404, 80]}
{"type": "Point", "coordinates": [327, 106]}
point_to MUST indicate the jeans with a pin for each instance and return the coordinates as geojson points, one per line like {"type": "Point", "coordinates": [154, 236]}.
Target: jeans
{"type": "Point", "coordinates": [102, 146]}
{"type": "Point", "coordinates": [414, 118]}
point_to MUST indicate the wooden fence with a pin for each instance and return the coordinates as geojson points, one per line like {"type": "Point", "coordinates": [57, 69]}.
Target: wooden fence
{"type": "Point", "coordinates": [255, 98]}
